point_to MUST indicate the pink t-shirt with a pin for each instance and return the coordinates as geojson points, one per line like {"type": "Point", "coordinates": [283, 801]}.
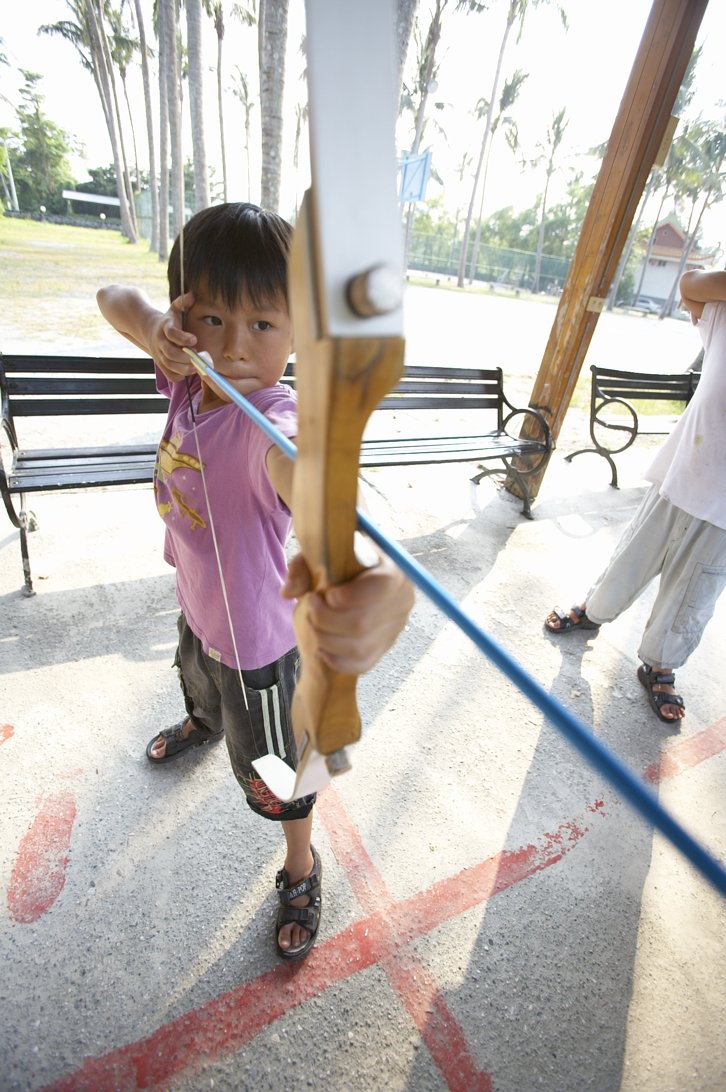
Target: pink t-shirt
{"type": "Point", "coordinates": [250, 522]}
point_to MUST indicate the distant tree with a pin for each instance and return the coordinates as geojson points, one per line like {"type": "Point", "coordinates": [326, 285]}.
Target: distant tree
{"type": "Point", "coordinates": [88, 36]}
{"type": "Point", "coordinates": [272, 46]}
{"type": "Point", "coordinates": [405, 13]}
{"type": "Point", "coordinates": [123, 47]}
{"type": "Point", "coordinates": [170, 114]}
{"type": "Point", "coordinates": [242, 90]}
{"type": "Point", "coordinates": [195, 76]}
{"type": "Point", "coordinates": [510, 93]}
{"type": "Point", "coordinates": [416, 96]}
{"type": "Point", "coordinates": [516, 15]}
{"type": "Point", "coordinates": [247, 16]}
{"type": "Point", "coordinates": [703, 189]}
{"type": "Point", "coordinates": [7, 178]}
{"type": "Point", "coordinates": [151, 142]}
{"type": "Point", "coordinates": [40, 153]}
{"type": "Point", "coordinates": [548, 154]}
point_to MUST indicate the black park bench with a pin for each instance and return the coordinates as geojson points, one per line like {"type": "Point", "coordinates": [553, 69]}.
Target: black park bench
{"type": "Point", "coordinates": [614, 421]}
{"type": "Point", "coordinates": [427, 407]}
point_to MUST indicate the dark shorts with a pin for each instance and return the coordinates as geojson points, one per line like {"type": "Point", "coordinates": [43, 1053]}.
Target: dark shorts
{"type": "Point", "coordinates": [215, 702]}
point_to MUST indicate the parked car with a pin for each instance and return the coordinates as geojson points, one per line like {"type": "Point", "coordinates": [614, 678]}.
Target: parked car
{"type": "Point", "coordinates": [648, 304]}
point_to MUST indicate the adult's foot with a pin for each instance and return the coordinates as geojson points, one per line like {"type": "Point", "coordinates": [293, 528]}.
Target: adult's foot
{"type": "Point", "coordinates": [562, 621]}
{"type": "Point", "coordinates": [662, 695]}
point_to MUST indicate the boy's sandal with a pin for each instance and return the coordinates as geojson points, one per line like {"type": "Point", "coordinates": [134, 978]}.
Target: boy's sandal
{"type": "Point", "coordinates": [566, 623]}
{"type": "Point", "coordinates": [176, 743]}
{"type": "Point", "coordinates": [658, 698]}
{"type": "Point", "coordinates": [306, 916]}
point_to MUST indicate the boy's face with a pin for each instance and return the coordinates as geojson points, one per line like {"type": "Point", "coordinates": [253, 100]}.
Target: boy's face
{"type": "Point", "coordinates": [249, 345]}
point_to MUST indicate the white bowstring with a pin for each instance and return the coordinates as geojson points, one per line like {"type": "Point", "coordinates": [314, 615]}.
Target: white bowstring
{"type": "Point", "coordinates": [200, 460]}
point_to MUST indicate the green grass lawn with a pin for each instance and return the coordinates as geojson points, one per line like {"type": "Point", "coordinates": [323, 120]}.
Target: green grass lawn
{"type": "Point", "coordinates": [51, 273]}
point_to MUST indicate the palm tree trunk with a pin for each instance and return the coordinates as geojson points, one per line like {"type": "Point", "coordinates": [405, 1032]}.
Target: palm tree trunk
{"type": "Point", "coordinates": [220, 109]}
{"type": "Point", "coordinates": [153, 190]}
{"type": "Point", "coordinates": [103, 76]}
{"type": "Point", "coordinates": [196, 103]}
{"type": "Point", "coordinates": [173, 93]}
{"type": "Point", "coordinates": [405, 12]}
{"type": "Point", "coordinates": [163, 141]}
{"type": "Point", "coordinates": [485, 140]}
{"type": "Point", "coordinates": [272, 43]}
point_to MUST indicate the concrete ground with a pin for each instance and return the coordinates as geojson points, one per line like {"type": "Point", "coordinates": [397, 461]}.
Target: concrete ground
{"type": "Point", "coordinates": [494, 917]}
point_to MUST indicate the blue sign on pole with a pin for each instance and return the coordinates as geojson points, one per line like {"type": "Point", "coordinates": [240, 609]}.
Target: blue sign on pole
{"type": "Point", "coordinates": [415, 172]}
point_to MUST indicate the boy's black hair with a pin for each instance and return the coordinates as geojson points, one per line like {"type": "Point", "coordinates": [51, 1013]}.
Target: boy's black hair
{"type": "Point", "coordinates": [235, 250]}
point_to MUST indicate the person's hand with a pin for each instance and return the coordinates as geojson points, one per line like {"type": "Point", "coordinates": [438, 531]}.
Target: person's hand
{"type": "Point", "coordinates": [350, 626]}
{"type": "Point", "coordinates": [167, 339]}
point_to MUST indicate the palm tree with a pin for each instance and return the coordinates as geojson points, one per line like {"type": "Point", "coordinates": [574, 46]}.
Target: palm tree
{"type": "Point", "coordinates": [153, 187]}
{"type": "Point", "coordinates": [555, 136]}
{"type": "Point", "coordinates": [88, 36]}
{"type": "Point", "coordinates": [195, 76]}
{"type": "Point", "coordinates": [510, 93]}
{"type": "Point", "coordinates": [272, 44]}
{"type": "Point", "coordinates": [247, 17]}
{"type": "Point", "coordinates": [161, 17]}
{"type": "Point", "coordinates": [405, 12]}
{"type": "Point", "coordinates": [417, 97]}
{"type": "Point", "coordinates": [242, 91]}
{"type": "Point", "coordinates": [704, 190]}
{"type": "Point", "coordinates": [516, 13]}
{"type": "Point", "coordinates": [171, 93]}
{"type": "Point", "coordinates": [122, 49]}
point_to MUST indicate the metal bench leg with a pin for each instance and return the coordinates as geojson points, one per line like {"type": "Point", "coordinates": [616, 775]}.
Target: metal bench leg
{"type": "Point", "coordinates": [521, 485]}
{"type": "Point", "coordinates": [604, 454]}
{"type": "Point", "coordinates": [28, 523]}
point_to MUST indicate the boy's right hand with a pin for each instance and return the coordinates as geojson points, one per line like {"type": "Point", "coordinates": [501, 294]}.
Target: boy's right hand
{"type": "Point", "coordinates": [167, 340]}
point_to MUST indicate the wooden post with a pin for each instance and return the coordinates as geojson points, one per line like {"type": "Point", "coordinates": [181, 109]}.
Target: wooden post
{"type": "Point", "coordinates": [640, 128]}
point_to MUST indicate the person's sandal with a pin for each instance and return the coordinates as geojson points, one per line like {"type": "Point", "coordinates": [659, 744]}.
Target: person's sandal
{"type": "Point", "coordinates": [176, 743]}
{"type": "Point", "coordinates": [306, 916]}
{"type": "Point", "coordinates": [566, 622]}
{"type": "Point", "coordinates": [658, 698]}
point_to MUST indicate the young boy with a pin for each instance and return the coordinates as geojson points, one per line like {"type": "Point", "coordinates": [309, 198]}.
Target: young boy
{"type": "Point", "coordinates": [223, 492]}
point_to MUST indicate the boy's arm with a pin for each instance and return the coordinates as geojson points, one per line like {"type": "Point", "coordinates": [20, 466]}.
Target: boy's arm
{"type": "Point", "coordinates": [157, 333]}
{"type": "Point", "coordinates": [350, 626]}
{"type": "Point", "coordinates": [699, 287]}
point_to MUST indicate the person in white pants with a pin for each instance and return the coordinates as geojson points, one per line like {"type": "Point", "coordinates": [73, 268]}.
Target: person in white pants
{"type": "Point", "coordinates": [679, 530]}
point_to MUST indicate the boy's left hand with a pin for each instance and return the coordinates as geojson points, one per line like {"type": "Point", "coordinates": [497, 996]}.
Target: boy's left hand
{"type": "Point", "coordinates": [350, 626]}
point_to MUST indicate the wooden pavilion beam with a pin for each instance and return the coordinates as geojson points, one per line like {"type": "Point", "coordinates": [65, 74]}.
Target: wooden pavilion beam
{"type": "Point", "coordinates": [640, 128]}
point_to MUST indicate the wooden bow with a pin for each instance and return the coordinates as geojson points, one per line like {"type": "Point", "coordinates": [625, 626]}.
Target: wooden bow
{"type": "Point", "coordinates": [345, 289]}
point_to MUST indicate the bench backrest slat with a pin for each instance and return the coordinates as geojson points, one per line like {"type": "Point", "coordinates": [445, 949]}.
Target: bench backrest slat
{"type": "Point", "coordinates": [40, 386]}
{"type": "Point", "coordinates": [664, 386]}
{"type": "Point", "coordinates": [82, 407]}
{"type": "Point", "coordinates": [76, 365]}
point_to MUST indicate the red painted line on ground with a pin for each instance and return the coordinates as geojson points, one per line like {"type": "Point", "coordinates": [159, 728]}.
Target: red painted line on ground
{"type": "Point", "coordinates": [39, 872]}
{"type": "Point", "coordinates": [226, 1023]}
{"type": "Point", "coordinates": [6, 732]}
{"type": "Point", "coordinates": [407, 974]}
{"type": "Point", "coordinates": [689, 752]}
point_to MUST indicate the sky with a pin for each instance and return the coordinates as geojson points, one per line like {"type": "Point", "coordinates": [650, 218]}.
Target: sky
{"type": "Point", "coordinates": [584, 70]}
